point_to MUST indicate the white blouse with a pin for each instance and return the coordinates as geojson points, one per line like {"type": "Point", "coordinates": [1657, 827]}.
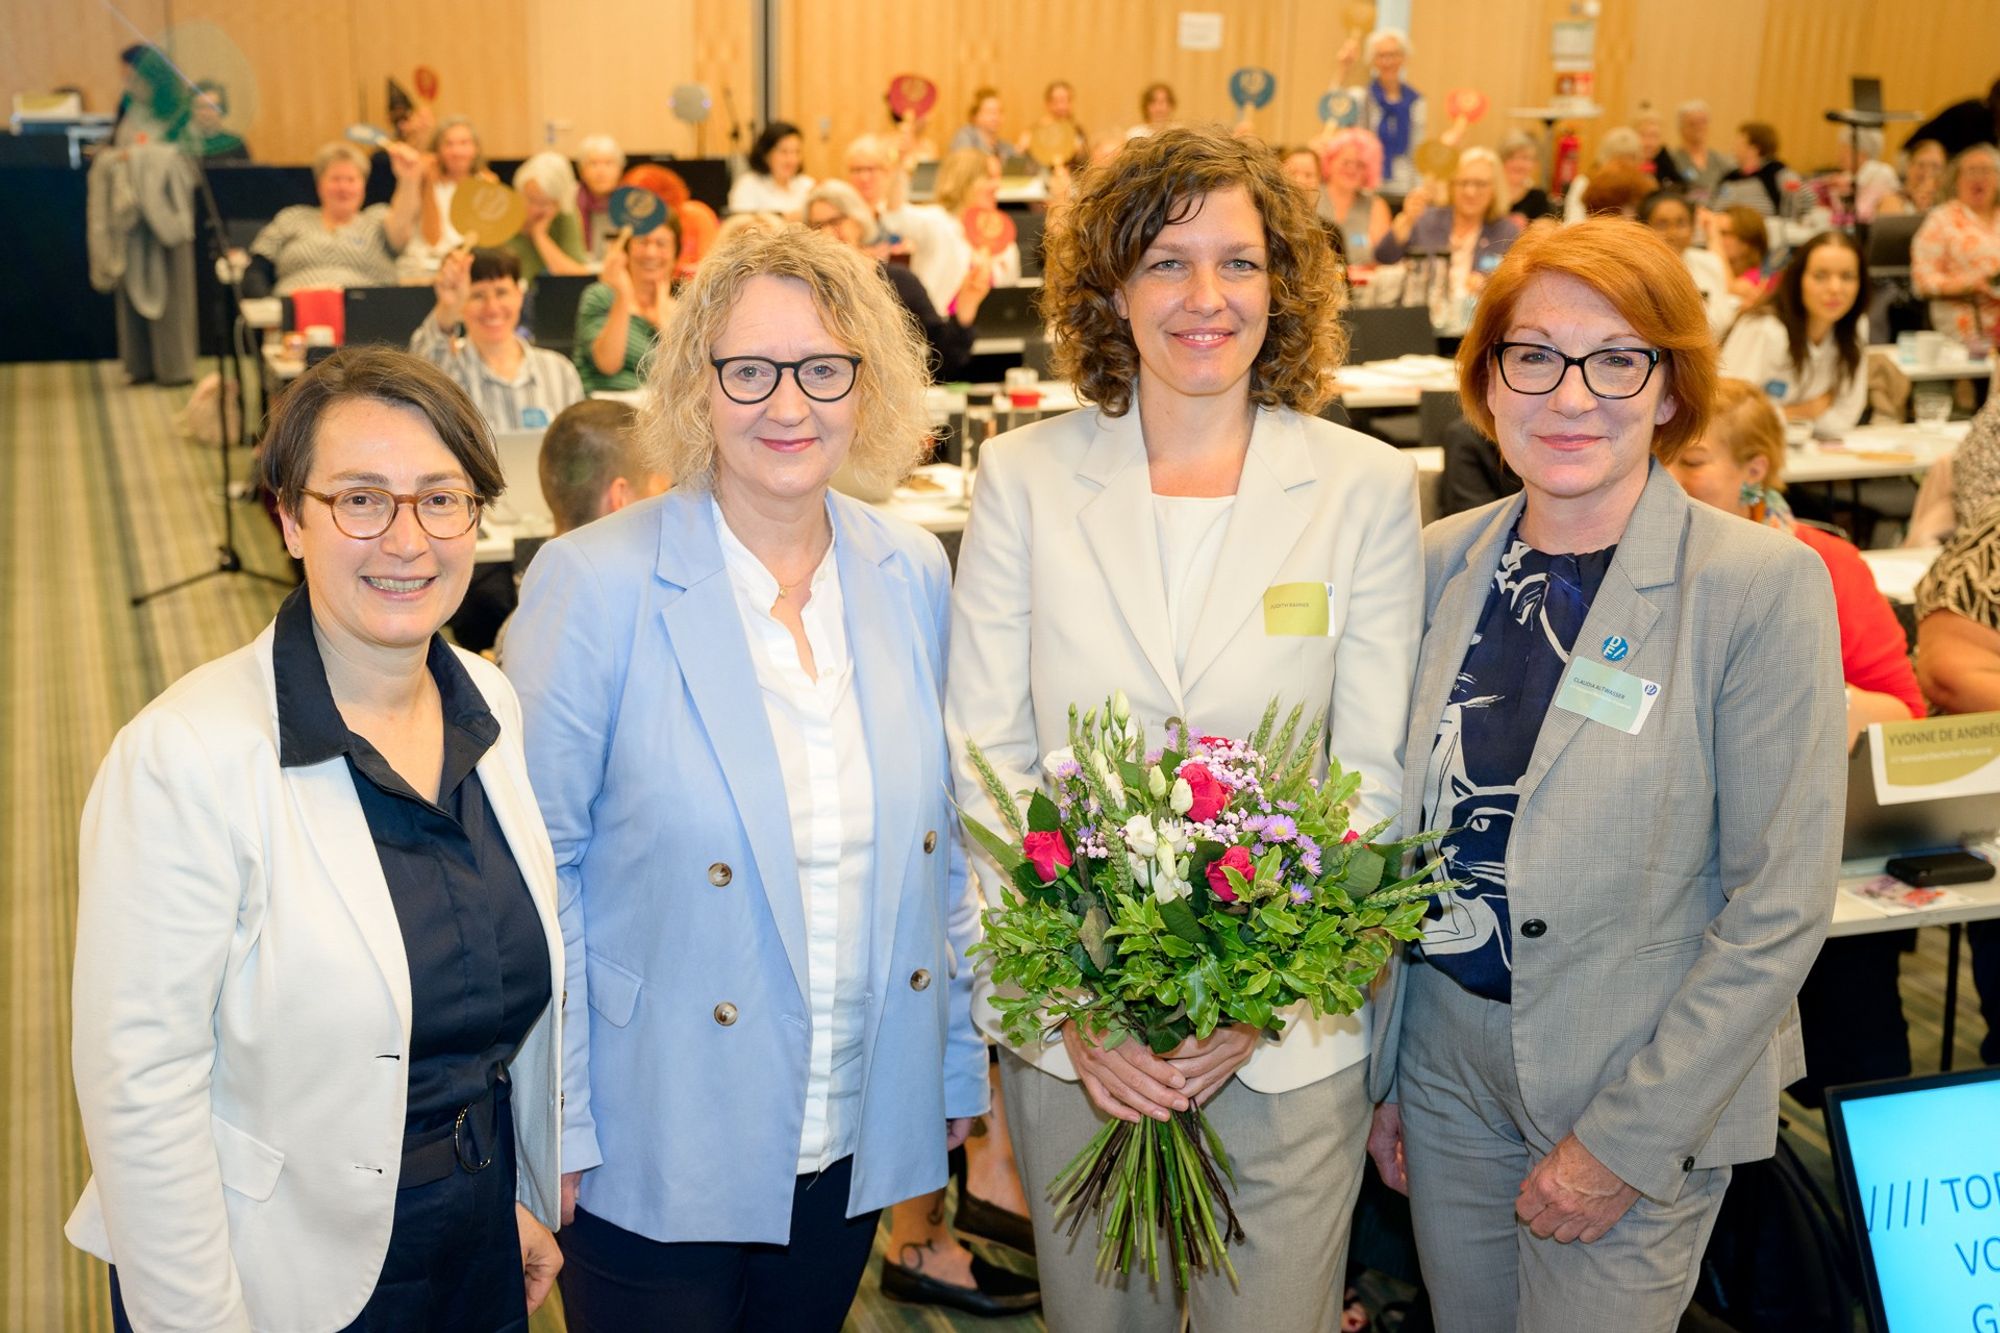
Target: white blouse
{"type": "Point", "coordinates": [1190, 530]}
{"type": "Point", "coordinates": [754, 192]}
{"type": "Point", "coordinates": [830, 794]}
{"type": "Point", "coordinates": [1757, 350]}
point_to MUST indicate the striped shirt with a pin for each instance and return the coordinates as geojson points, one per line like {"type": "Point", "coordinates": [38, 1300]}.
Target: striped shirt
{"type": "Point", "coordinates": [307, 254]}
{"type": "Point", "coordinates": [545, 384]}
{"type": "Point", "coordinates": [593, 312]}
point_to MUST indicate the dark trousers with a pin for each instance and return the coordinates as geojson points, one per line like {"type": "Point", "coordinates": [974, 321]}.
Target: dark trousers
{"type": "Point", "coordinates": [1984, 937]}
{"type": "Point", "coordinates": [454, 1261]}
{"type": "Point", "coordinates": [616, 1282]}
{"type": "Point", "coordinates": [1851, 1014]}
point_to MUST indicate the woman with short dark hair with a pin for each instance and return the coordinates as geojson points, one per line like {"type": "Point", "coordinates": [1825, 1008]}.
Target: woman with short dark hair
{"type": "Point", "coordinates": [318, 966]}
{"type": "Point", "coordinates": [776, 181]}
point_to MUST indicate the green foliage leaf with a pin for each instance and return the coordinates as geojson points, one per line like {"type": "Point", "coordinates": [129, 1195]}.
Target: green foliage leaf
{"type": "Point", "coordinates": [1091, 932]}
{"type": "Point", "coordinates": [1364, 869]}
{"type": "Point", "coordinates": [1005, 854]}
{"type": "Point", "coordinates": [1180, 919]}
{"type": "Point", "coordinates": [1042, 814]}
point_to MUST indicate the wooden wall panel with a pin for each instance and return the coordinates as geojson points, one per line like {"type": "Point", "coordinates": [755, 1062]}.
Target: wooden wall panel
{"type": "Point", "coordinates": [49, 43]}
{"type": "Point", "coordinates": [480, 53]}
{"type": "Point", "coordinates": [300, 103]}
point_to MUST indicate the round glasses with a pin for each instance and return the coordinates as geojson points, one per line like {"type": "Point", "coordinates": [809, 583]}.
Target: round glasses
{"type": "Point", "coordinates": [752, 379]}
{"type": "Point", "coordinates": [365, 512]}
{"type": "Point", "coordinates": [1609, 372]}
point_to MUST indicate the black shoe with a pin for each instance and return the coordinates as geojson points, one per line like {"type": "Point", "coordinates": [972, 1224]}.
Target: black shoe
{"type": "Point", "coordinates": [995, 1292]}
{"type": "Point", "coordinates": [989, 1221]}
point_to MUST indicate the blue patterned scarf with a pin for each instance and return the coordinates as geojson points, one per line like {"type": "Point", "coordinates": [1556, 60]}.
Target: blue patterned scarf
{"type": "Point", "coordinates": [1392, 121]}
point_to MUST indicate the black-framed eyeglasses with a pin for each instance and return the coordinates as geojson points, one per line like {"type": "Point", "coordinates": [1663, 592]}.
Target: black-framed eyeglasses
{"type": "Point", "coordinates": [1609, 372]}
{"type": "Point", "coordinates": [365, 512]}
{"type": "Point", "coordinates": [752, 379]}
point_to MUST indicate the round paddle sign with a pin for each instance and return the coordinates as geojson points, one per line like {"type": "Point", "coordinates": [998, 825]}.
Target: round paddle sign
{"type": "Point", "coordinates": [487, 213]}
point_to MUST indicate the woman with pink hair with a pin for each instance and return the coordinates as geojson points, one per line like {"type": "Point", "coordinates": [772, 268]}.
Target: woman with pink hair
{"type": "Point", "coordinates": [1351, 169]}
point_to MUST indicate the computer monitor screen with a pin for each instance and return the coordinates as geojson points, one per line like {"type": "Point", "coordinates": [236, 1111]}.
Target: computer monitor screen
{"type": "Point", "coordinates": [1919, 1164]}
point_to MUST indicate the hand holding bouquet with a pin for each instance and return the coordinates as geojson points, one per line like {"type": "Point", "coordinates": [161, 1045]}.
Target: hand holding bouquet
{"type": "Point", "coordinates": [1154, 896]}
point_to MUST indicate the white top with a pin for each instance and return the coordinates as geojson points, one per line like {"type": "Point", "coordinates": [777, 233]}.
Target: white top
{"type": "Point", "coordinates": [421, 259]}
{"type": "Point", "coordinates": [830, 793]}
{"type": "Point", "coordinates": [754, 192]}
{"type": "Point", "coordinates": [939, 251]}
{"type": "Point", "coordinates": [1711, 279]}
{"type": "Point", "coordinates": [1190, 528]}
{"type": "Point", "coordinates": [1757, 350]}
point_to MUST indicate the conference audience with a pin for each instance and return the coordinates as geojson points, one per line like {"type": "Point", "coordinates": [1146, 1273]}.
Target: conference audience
{"type": "Point", "coordinates": [1348, 198]}
{"type": "Point", "coordinates": [1760, 181]}
{"type": "Point", "coordinates": [1620, 147]}
{"type": "Point", "coordinates": [1670, 215]}
{"type": "Point", "coordinates": [1699, 168]}
{"type": "Point", "coordinates": [699, 226]}
{"type": "Point", "coordinates": [339, 243]}
{"type": "Point", "coordinates": [1158, 108]}
{"type": "Point", "coordinates": [473, 335]}
{"type": "Point", "coordinates": [1565, 1174]}
{"type": "Point", "coordinates": [968, 190]}
{"type": "Point", "coordinates": [317, 955]}
{"type": "Point", "coordinates": [922, 234]}
{"type": "Point", "coordinates": [1142, 532]}
{"type": "Point", "coordinates": [1806, 346]}
{"type": "Point", "coordinates": [1739, 236]}
{"type": "Point", "coordinates": [454, 158]}
{"type": "Point", "coordinates": [983, 122]}
{"type": "Point", "coordinates": [1057, 125]}
{"type": "Point", "coordinates": [1923, 178]}
{"type": "Point", "coordinates": [1850, 1012]}
{"type": "Point", "coordinates": [1472, 229]}
{"type": "Point", "coordinates": [1955, 257]}
{"type": "Point", "coordinates": [1521, 162]}
{"type": "Point", "coordinates": [621, 314]}
{"type": "Point", "coordinates": [551, 235]}
{"type": "Point", "coordinates": [732, 697]}
{"type": "Point", "coordinates": [776, 181]}
{"type": "Point", "coordinates": [599, 164]}
{"type": "Point", "coordinates": [835, 208]}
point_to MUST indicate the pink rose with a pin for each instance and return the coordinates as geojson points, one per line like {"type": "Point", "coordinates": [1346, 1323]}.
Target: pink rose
{"type": "Point", "coordinates": [1350, 836]}
{"type": "Point", "coordinates": [1049, 852]}
{"type": "Point", "coordinates": [1209, 793]}
{"type": "Point", "coordinates": [1237, 859]}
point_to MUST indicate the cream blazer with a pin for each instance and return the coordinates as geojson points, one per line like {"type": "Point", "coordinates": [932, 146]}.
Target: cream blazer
{"type": "Point", "coordinates": [242, 1013]}
{"type": "Point", "coordinates": [1060, 599]}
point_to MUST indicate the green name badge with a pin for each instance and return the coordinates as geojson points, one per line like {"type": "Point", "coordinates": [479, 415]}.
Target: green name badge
{"type": "Point", "coordinates": [1299, 610]}
{"type": "Point", "coordinates": [1606, 694]}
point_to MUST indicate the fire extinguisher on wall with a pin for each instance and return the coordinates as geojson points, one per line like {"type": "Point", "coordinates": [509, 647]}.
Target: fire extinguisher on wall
{"type": "Point", "coordinates": [1569, 156]}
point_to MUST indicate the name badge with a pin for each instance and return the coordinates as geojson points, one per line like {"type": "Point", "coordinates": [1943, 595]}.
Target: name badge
{"type": "Point", "coordinates": [1606, 694]}
{"type": "Point", "coordinates": [1299, 610]}
{"type": "Point", "coordinates": [534, 418]}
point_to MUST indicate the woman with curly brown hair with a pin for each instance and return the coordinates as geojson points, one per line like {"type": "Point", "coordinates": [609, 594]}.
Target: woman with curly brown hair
{"type": "Point", "coordinates": [1196, 304]}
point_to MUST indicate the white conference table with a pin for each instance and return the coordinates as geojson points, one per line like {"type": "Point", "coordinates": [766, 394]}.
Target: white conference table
{"type": "Point", "coordinates": [1371, 385]}
{"type": "Point", "coordinates": [1899, 450]}
{"type": "Point", "coordinates": [1969, 368]}
{"type": "Point", "coordinates": [1854, 915]}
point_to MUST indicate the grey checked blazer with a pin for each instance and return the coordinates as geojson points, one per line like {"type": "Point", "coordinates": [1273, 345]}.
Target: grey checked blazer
{"type": "Point", "coordinates": [1685, 875]}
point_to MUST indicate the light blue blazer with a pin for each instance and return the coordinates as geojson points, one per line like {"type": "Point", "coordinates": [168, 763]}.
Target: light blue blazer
{"type": "Point", "coordinates": [687, 1028]}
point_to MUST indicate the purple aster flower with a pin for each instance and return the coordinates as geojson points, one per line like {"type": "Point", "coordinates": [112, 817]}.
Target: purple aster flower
{"type": "Point", "coordinates": [1301, 894]}
{"type": "Point", "coordinates": [1280, 828]}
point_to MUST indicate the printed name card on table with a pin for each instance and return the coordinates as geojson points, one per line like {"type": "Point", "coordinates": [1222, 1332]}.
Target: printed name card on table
{"type": "Point", "coordinates": [1936, 757]}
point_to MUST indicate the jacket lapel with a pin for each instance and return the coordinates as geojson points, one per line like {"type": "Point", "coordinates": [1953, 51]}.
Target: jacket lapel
{"type": "Point", "coordinates": [879, 635]}
{"type": "Point", "coordinates": [514, 806]}
{"type": "Point", "coordinates": [1451, 624]}
{"type": "Point", "coordinates": [1117, 524]}
{"type": "Point", "coordinates": [1648, 554]}
{"type": "Point", "coordinates": [1264, 524]}
{"type": "Point", "coordinates": [713, 654]}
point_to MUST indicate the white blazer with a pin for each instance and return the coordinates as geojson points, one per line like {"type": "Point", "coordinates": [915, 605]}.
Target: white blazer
{"type": "Point", "coordinates": [1061, 598]}
{"type": "Point", "coordinates": [242, 1013]}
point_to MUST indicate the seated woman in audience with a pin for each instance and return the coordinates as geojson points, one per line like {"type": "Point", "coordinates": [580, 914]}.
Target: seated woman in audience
{"type": "Point", "coordinates": [1059, 112]}
{"type": "Point", "coordinates": [1655, 158]}
{"type": "Point", "coordinates": [1348, 198]}
{"type": "Point", "coordinates": [621, 314]}
{"type": "Point", "coordinates": [599, 164]}
{"type": "Point", "coordinates": [1806, 345]}
{"type": "Point", "coordinates": [1669, 213]}
{"type": "Point", "coordinates": [311, 1099]}
{"type": "Point", "coordinates": [1473, 227]}
{"type": "Point", "coordinates": [1620, 147]}
{"type": "Point", "coordinates": [1300, 163]}
{"type": "Point", "coordinates": [733, 702]}
{"type": "Point", "coordinates": [454, 158]}
{"type": "Point", "coordinates": [968, 181]}
{"type": "Point", "coordinates": [473, 335]}
{"type": "Point", "coordinates": [1923, 178]}
{"type": "Point", "coordinates": [698, 222]}
{"type": "Point", "coordinates": [1158, 106]}
{"type": "Point", "coordinates": [834, 207]}
{"type": "Point", "coordinates": [339, 243]}
{"type": "Point", "coordinates": [1698, 168]}
{"type": "Point", "coordinates": [1975, 465]}
{"type": "Point", "coordinates": [551, 237]}
{"type": "Point", "coordinates": [1864, 179]}
{"type": "Point", "coordinates": [1616, 191]}
{"type": "Point", "coordinates": [1851, 1015]}
{"type": "Point", "coordinates": [983, 121]}
{"type": "Point", "coordinates": [1955, 258]}
{"type": "Point", "coordinates": [210, 107]}
{"type": "Point", "coordinates": [1521, 163]}
{"type": "Point", "coordinates": [776, 181]}
{"type": "Point", "coordinates": [1760, 181]}
{"type": "Point", "coordinates": [1738, 235]}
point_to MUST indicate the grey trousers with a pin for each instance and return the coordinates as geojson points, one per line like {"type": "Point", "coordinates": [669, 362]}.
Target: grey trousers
{"type": "Point", "coordinates": [162, 350]}
{"type": "Point", "coordinates": [1298, 1158]}
{"type": "Point", "coordinates": [1469, 1143]}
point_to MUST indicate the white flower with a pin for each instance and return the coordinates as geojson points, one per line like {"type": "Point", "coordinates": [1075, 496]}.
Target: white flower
{"type": "Point", "coordinates": [1142, 869]}
{"type": "Point", "coordinates": [1056, 760]}
{"type": "Point", "coordinates": [1175, 834]}
{"type": "Point", "coordinates": [1182, 800]}
{"type": "Point", "coordinates": [1109, 777]}
{"type": "Point", "coordinates": [1156, 782]}
{"type": "Point", "coordinates": [1139, 836]}
{"type": "Point", "coordinates": [1168, 884]}
{"type": "Point", "coordinates": [1121, 707]}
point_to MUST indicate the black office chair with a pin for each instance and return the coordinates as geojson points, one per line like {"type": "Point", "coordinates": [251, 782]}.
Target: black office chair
{"type": "Point", "coordinates": [387, 315]}
{"type": "Point", "coordinates": [1028, 236]}
{"type": "Point", "coordinates": [1893, 304]}
{"type": "Point", "coordinates": [1438, 411]}
{"type": "Point", "coordinates": [551, 314]}
{"type": "Point", "coordinates": [1889, 245]}
{"type": "Point", "coordinates": [1386, 332]}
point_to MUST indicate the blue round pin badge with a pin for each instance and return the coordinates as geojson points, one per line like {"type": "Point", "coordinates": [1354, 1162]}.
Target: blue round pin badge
{"type": "Point", "coordinates": [1615, 649]}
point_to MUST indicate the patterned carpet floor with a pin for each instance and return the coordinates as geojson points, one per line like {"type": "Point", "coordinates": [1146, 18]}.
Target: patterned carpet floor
{"type": "Point", "coordinates": [100, 499]}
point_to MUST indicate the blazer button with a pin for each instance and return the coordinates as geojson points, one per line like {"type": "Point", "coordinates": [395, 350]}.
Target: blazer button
{"type": "Point", "coordinates": [719, 875]}
{"type": "Point", "coordinates": [1534, 927]}
{"type": "Point", "coordinates": [1687, 1163]}
{"type": "Point", "coordinates": [930, 841]}
{"type": "Point", "coordinates": [920, 979]}
{"type": "Point", "coordinates": [725, 1014]}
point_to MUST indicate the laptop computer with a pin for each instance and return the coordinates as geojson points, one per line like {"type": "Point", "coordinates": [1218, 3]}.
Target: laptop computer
{"type": "Point", "coordinates": [521, 508]}
{"type": "Point", "coordinates": [1919, 1168]}
{"type": "Point", "coordinates": [386, 314]}
{"type": "Point", "coordinates": [1874, 830]}
{"type": "Point", "coordinates": [1009, 312]}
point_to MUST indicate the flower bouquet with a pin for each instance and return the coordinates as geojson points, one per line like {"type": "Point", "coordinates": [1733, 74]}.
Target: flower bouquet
{"type": "Point", "coordinates": [1154, 896]}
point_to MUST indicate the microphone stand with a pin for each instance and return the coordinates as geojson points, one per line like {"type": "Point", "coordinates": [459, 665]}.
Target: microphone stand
{"type": "Point", "coordinates": [228, 311]}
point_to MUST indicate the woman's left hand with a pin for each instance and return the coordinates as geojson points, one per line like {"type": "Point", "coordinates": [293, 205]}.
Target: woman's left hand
{"type": "Point", "coordinates": [1211, 1062]}
{"type": "Point", "coordinates": [540, 1259]}
{"type": "Point", "coordinates": [956, 1131]}
{"type": "Point", "coordinates": [1570, 1195]}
